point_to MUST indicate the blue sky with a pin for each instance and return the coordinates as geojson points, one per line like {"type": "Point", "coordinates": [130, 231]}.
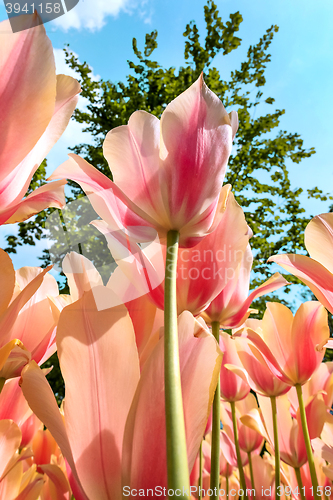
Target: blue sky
{"type": "Point", "coordinates": [299, 76]}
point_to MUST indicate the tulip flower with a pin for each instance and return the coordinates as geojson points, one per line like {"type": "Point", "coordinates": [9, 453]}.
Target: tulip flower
{"type": "Point", "coordinates": [152, 161]}
{"type": "Point", "coordinates": [315, 271]}
{"type": "Point", "coordinates": [254, 369]}
{"type": "Point", "coordinates": [232, 386]}
{"type": "Point", "coordinates": [189, 147]}
{"type": "Point", "coordinates": [120, 413]}
{"type": "Point", "coordinates": [35, 109]}
{"type": "Point", "coordinates": [291, 346]}
{"type": "Point", "coordinates": [231, 307]}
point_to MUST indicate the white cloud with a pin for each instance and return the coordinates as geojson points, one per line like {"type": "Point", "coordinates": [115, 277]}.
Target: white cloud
{"type": "Point", "coordinates": [93, 14]}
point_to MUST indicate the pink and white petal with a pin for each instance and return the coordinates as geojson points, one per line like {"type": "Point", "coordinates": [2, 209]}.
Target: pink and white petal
{"type": "Point", "coordinates": [97, 351]}
{"type": "Point", "coordinates": [229, 450]}
{"type": "Point", "coordinates": [35, 322]}
{"type": "Point", "coordinates": [196, 139]}
{"type": "Point", "coordinates": [318, 239]}
{"type": "Point", "coordinates": [312, 273]}
{"type": "Point", "coordinates": [27, 90]}
{"type": "Point", "coordinates": [316, 416]}
{"type": "Point", "coordinates": [7, 276]}
{"type": "Point", "coordinates": [144, 450]}
{"type": "Point", "coordinates": [8, 319]}
{"type": "Point", "coordinates": [132, 152]}
{"type": "Point", "coordinates": [276, 333]}
{"type": "Point", "coordinates": [13, 404]}
{"type": "Point", "coordinates": [18, 180]}
{"type": "Point", "coordinates": [256, 369]}
{"type": "Point", "coordinates": [309, 329]}
{"type": "Point", "coordinates": [49, 195]}
{"type": "Point", "coordinates": [273, 283]}
{"type": "Point", "coordinates": [265, 351]}
{"type": "Point", "coordinates": [215, 260]}
{"type": "Point", "coordinates": [111, 204]}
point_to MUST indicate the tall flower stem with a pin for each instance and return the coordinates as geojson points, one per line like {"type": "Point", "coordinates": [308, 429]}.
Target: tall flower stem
{"type": "Point", "coordinates": [238, 454]}
{"type": "Point", "coordinates": [307, 441]}
{"type": "Point", "coordinates": [227, 483]}
{"type": "Point", "coordinates": [177, 466]}
{"type": "Point", "coordinates": [276, 447]}
{"type": "Point", "coordinates": [200, 471]}
{"type": "Point", "coordinates": [216, 430]}
{"type": "Point", "coordinates": [299, 482]}
{"type": "Point", "coordinates": [251, 473]}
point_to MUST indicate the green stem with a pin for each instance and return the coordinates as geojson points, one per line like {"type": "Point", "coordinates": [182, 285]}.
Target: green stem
{"type": "Point", "coordinates": [276, 447]}
{"type": "Point", "coordinates": [200, 471]}
{"type": "Point", "coordinates": [239, 459]}
{"type": "Point", "coordinates": [2, 383]}
{"type": "Point", "coordinates": [307, 442]}
{"type": "Point", "coordinates": [227, 483]}
{"type": "Point", "coordinates": [177, 465]}
{"type": "Point", "coordinates": [251, 473]}
{"type": "Point", "coordinates": [299, 482]}
{"type": "Point", "coordinates": [216, 430]}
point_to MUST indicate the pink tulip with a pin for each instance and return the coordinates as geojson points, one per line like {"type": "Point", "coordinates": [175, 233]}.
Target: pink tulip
{"type": "Point", "coordinates": [249, 440]}
{"type": "Point", "coordinates": [35, 107]}
{"type": "Point", "coordinates": [231, 307]}
{"type": "Point", "coordinates": [233, 387]}
{"type": "Point", "coordinates": [315, 271]}
{"type": "Point", "coordinates": [168, 174]}
{"type": "Point", "coordinates": [120, 413]}
{"type": "Point", "coordinates": [254, 370]}
{"type": "Point", "coordinates": [292, 347]}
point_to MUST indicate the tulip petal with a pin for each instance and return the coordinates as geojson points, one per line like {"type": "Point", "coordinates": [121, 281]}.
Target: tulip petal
{"type": "Point", "coordinates": [8, 319]}
{"type": "Point", "coordinates": [18, 180]}
{"type": "Point", "coordinates": [107, 199]}
{"type": "Point", "coordinates": [10, 439]}
{"type": "Point", "coordinates": [41, 400]}
{"type": "Point", "coordinates": [196, 139]}
{"type": "Point", "coordinates": [200, 360]}
{"type": "Point", "coordinates": [309, 329]}
{"type": "Point", "coordinates": [314, 275]}
{"type": "Point", "coordinates": [273, 283]}
{"type": "Point", "coordinates": [132, 152]}
{"type": "Point", "coordinates": [97, 351]}
{"type": "Point", "coordinates": [60, 486]}
{"type": "Point", "coordinates": [27, 90]}
{"type": "Point", "coordinates": [49, 195]}
{"type": "Point", "coordinates": [81, 274]}
{"type": "Point", "coordinates": [318, 239]}
{"type": "Point", "coordinates": [7, 280]}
